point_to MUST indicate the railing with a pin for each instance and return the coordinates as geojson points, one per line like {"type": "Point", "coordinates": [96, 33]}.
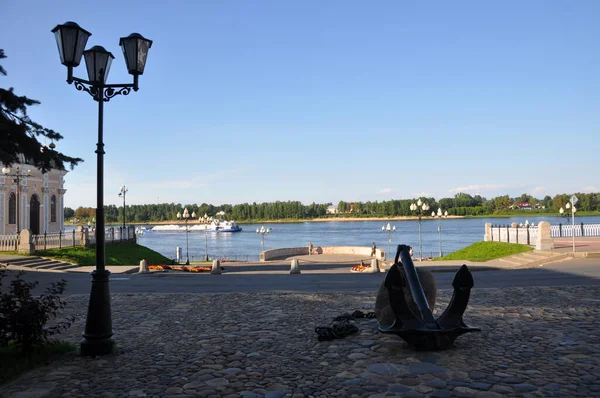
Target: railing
{"type": "Point", "coordinates": [525, 235]}
{"type": "Point", "coordinates": [57, 240]}
{"type": "Point", "coordinates": [9, 242]}
{"type": "Point", "coordinates": [567, 230]}
{"type": "Point", "coordinates": [113, 234]}
{"type": "Point", "coordinates": [528, 235]}
{"type": "Point", "coordinates": [83, 237]}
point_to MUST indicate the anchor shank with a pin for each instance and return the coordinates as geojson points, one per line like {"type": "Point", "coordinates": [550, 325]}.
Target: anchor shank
{"type": "Point", "coordinates": [416, 288]}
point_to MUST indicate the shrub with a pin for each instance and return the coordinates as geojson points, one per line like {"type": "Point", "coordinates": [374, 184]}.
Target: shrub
{"type": "Point", "coordinates": [24, 318]}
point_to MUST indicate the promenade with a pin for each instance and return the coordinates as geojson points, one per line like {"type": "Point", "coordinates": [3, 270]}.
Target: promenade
{"type": "Point", "coordinates": [534, 342]}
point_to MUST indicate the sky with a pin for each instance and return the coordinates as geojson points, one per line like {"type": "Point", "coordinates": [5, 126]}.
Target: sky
{"type": "Point", "coordinates": [254, 101]}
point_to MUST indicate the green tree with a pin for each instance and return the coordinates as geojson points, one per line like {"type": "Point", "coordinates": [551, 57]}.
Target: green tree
{"type": "Point", "coordinates": [69, 213]}
{"type": "Point", "coordinates": [19, 134]}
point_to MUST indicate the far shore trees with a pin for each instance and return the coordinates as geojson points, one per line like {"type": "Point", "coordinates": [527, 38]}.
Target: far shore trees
{"type": "Point", "coordinates": [462, 204]}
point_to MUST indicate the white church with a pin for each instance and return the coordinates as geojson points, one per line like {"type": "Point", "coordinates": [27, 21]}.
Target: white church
{"type": "Point", "coordinates": [36, 203]}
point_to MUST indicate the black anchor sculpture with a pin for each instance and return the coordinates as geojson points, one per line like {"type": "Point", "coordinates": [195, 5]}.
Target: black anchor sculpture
{"type": "Point", "coordinates": [414, 320]}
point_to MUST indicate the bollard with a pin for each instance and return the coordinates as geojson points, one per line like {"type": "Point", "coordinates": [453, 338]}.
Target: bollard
{"type": "Point", "coordinates": [295, 266]}
{"type": "Point", "coordinates": [374, 266]}
{"type": "Point", "coordinates": [143, 267]}
{"type": "Point", "coordinates": [216, 267]}
{"type": "Point", "coordinates": [177, 254]}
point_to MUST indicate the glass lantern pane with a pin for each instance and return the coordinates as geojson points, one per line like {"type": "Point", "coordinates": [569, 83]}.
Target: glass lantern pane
{"type": "Point", "coordinates": [90, 65]}
{"type": "Point", "coordinates": [69, 37]}
{"type": "Point", "coordinates": [142, 55]}
{"type": "Point", "coordinates": [107, 63]}
{"type": "Point", "coordinates": [59, 43]}
{"type": "Point", "coordinates": [130, 54]}
{"type": "Point", "coordinates": [82, 38]}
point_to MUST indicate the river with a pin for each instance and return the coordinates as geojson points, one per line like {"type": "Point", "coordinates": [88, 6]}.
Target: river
{"type": "Point", "coordinates": [246, 245]}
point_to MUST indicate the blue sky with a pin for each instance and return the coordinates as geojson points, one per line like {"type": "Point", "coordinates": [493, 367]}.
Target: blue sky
{"type": "Point", "coordinates": [323, 101]}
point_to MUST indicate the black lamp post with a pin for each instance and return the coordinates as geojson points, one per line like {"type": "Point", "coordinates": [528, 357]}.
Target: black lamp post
{"type": "Point", "coordinates": [71, 40]}
{"type": "Point", "coordinates": [186, 216]}
{"type": "Point", "coordinates": [17, 177]}
{"type": "Point", "coordinates": [420, 208]}
{"type": "Point", "coordinates": [123, 193]}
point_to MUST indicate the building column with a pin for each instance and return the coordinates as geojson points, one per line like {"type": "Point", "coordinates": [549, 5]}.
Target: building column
{"type": "Point", "coordinates": [61, 195]}
{"type": "Point", "coordinates": [46, 207]}
{"type": "Point", "coordinates": [24, 209]}
{"type": "Point", "coordinates": [3, 209]}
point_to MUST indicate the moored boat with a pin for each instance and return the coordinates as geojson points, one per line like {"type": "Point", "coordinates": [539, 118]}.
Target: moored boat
{"type": "Point", "coordinates": [218, 225]}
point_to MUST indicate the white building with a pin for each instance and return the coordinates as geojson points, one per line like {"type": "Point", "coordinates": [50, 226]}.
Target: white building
{"type": "Point", "coordinates": [38, 205]}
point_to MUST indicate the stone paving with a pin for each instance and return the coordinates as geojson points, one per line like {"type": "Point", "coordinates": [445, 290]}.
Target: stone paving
{"type": "Point", "coordinates": [535, 342]}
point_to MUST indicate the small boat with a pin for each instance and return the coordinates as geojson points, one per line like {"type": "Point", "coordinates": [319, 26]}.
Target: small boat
{"type": "Point", "coordinates": [218, 225]}
{"type": "Point", "coordinates": [140, 231]}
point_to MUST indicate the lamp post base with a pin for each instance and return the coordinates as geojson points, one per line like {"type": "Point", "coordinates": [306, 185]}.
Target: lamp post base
{"type": "Point", "coordinates": [97, 337]}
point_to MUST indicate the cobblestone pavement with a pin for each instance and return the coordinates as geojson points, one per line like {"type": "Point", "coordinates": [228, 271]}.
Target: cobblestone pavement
{"type": "Point", "coordinates": [534, 342]}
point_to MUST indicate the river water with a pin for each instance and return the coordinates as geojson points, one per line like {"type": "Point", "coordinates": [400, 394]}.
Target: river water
{"type": "Point", "coordinates": [246, 245]}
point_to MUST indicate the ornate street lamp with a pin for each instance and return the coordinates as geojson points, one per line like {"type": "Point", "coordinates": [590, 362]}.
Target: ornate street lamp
{"type": "Point", "coordinates": [186, 216]}
{"type": "Point", "coordinates": [123, 192]}
{"type": "Point", "coordinates": [262, 232]}
{"type": "Point", "coordinates": [440, 215]}
{"type": "Point", "coordinates": [17, 176]}
{"type": "Point", "coordinates": [71, 40]}
{"type": "Point", "coordinates": [389, 229]}
{"type": "Point", "coordinates": [420, 208]}
{"type": "Point", "coordinates": [571, 205]}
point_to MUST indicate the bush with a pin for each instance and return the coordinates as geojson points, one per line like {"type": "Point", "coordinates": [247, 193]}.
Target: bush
{"type": "Point", "coordinates": [23, 317]}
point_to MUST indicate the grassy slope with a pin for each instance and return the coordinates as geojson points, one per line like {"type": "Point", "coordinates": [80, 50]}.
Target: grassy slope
{"type": "Point", "coordinates": [116, 254]}
{"type": "Point", "coordinates": [484, 251]}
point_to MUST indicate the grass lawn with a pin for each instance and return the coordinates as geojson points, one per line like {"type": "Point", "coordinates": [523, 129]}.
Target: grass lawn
{"type": "Point", "coordinates": [121, 253]}
{"type": "Point", "coordinates": [484, 251]}
{"type": "Point", "coordinates": [13, 363]}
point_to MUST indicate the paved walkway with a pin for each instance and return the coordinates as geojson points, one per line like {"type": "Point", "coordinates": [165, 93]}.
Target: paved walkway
{"type": "Point", "coordinates": [582, 245]}
{"type": "Point", "coordinates": [534, 342]}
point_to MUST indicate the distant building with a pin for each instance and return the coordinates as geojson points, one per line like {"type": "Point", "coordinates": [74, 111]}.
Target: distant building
{"type": "Point", "coordinates": [41, 200]}
{"type": "Point", "coordinates": [332, 209]}
{"type": "Point", "coordinates": [525, 206]}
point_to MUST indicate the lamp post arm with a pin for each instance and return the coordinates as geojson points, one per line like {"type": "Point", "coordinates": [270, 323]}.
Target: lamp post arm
{"type": "Point", "coordinates": [104, 91]}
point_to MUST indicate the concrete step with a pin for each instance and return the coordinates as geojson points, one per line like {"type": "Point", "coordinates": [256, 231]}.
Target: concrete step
{"type": "Point", "coordinates": [41, 263]}
{"type": "Point", "coordinates": [513, 260]}
{"type": "Point", "coordinates": [49, 264]}
{"type": "Point", "coordinates": [544, 253]}
{"type": "Point", "coordinates": [533, 256]}
{"type": "Point", "coordinates": [25, 260]}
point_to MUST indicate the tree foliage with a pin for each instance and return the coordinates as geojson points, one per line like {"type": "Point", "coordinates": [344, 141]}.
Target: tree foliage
{"type": "Point", "coordinates": [19, 134]}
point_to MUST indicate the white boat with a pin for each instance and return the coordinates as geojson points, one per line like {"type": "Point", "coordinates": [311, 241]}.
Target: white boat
{"type": "Point", "coordinates": [218, 225]}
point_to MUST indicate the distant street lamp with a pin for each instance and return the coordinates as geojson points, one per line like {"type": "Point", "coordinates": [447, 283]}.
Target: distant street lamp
{"type": "Point", "coordinates": [71, 40]}
{"type": "Point", "coordinates": [389, 229]}
{"type": "Point", "coordinates": [123, 192]}
{"type": "Point", "coordinates": [16, 177]}
{"type": "Point", "coordinates": [262, 232]}
{"type": "Point", "coordinates": [440, 215]}
{"type": "Point", "coordinates": [201, 219]}
{"type": "Point", "coordinates": [571, 205]}
{"type": "Point", "coordinates": [420, 208]}
{"type": "Point", "coordinates": [186, 217]}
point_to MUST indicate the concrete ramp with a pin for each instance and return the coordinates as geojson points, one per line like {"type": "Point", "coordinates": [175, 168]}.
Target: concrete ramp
{"type": "Point", "coordinates": [533, 259]}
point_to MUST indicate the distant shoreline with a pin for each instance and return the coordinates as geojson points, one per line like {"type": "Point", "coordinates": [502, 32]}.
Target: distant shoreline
{"type": "Point", "coordinates": [350, 219]}
{"type": "Point", "coordinates": [341, 219]}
